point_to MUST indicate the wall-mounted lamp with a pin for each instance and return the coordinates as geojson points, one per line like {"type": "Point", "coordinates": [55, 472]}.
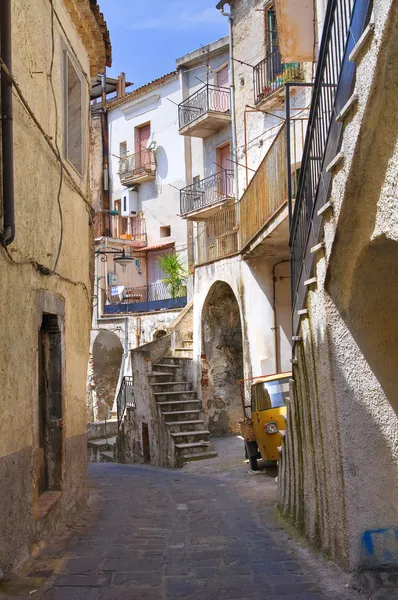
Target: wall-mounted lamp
{"type": "Point", "coordinates": [120, 258]}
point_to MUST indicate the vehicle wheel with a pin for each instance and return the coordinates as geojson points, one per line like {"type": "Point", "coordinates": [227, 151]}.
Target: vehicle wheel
{"type": "Point", "coordinates": [253, 463]}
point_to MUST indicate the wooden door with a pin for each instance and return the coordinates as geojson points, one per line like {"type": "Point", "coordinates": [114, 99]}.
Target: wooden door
{"type": "Point", "coordinates": [142, 138]}
{"type": "Point", "coordinates": [223, 160]}
{"type": "Point", "coordinates": [223, 77]}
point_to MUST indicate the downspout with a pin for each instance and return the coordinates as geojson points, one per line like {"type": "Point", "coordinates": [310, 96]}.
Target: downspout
{"type": "Point", "coordinates": [275, 326]}
{"type": "Point", "coordinates": [105, 157]}
{"type": "Point", "coordinates": [7, 234]}
{"type": "Point", "coordinates": [232, 88]}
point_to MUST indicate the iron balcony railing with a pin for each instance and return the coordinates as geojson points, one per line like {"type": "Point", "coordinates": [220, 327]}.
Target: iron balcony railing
{"type": "Point", "coordinates": [129, 228]}
{"type": "Point", "coordinates": [136, 165]}
{"type": "Point", "coordinates": [345, 21]}
{"type": "Point", "coordinates": [147, 298]}
{"type": "Point", "coordinates": [125, 397]}
{"type": "Point", "coordinates": [271, 73]}
{"type": "Point", "coordinates": [209, 98]}
{"type": "Point", "coordinates": [207, 191]}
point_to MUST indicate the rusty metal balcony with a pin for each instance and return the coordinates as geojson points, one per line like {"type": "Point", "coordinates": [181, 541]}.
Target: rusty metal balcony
{"type": "Point", "coordinates": [137, 168]}
{"type": "Point", "coordinates": [203, 198]}
{"type": "Point", "coordinates": [205, 112]}
{"type": "Point", "coordinates": [131, 229]}
{"type": "Point", "coordinates": [271, 74]}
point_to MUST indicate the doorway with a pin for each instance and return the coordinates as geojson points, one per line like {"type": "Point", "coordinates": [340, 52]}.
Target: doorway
{"type": "Point", "coordinates": [146, 449]}
{"type": "Point", "coordinates": [50, 405]}
{"type": "Point", "coordinates": [225, 181]}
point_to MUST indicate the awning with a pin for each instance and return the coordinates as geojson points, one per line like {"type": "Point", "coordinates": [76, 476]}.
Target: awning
{"type": "Point", "coordinates": [159, 246]}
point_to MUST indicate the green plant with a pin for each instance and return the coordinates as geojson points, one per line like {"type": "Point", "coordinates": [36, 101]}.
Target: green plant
{"type": "Point", "coordinates": [176, 274]}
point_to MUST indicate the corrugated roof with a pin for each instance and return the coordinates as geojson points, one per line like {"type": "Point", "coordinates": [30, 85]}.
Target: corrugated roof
{"type": "Point", "coordinates": [142, 90]}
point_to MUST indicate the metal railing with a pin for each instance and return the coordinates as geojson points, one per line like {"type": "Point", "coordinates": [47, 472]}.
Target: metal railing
{"type": "Point", "coordinates": [129, 228]}
{"type": "Point", "coordinates": [271, 73]}
{"type": "Point", "coordinates": [266, 192]}
{"type": "Point", "coordinates": [147, 298]}
{"type": "Point", "coordinates": [217, 236]}
{"type": "Point", "coordinates": [228, 231]}
{"type": "Point", "coordinates": [207, 191]}
{"type": "Point", "coordinates": [345, 21]}
{"type": "Point", "coordinates": [208, 98]}
{"type": "Point", "coordinates": [125, 397]}
{"type": "Point", "coordinates": [137, 164]}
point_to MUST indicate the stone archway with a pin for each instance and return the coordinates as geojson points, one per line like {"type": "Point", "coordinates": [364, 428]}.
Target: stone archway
{"type": "Point", "coordinates": [222, 359]}
{"type": "Point", "coordinates": [107, 357]}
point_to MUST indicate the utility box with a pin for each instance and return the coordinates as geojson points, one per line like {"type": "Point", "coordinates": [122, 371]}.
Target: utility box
{"type": "Point", "coordinates": [129, 202]}
{"type": "Point", "coordinates": [112, 278]}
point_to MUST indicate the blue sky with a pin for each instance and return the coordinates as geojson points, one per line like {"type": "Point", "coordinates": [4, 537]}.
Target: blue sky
{"type": "Point", "coordinates": [148, 35]}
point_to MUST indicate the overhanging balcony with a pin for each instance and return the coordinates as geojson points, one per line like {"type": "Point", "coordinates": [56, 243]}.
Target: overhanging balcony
{"type": "Point", "coordinates": [270, 76]}
{"type": "Point", "coordinates": [148, 298]}
{"type": "Point", "coordinates": [137, 168]}
{"type": "Point", "coordinates": [203, 198]}
{"type": "Point", "coordinates": [205, 112]}
{"type": "Point", "coordinates": [132, 229]}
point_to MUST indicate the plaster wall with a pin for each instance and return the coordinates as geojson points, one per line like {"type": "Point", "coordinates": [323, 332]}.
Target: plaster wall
{"type": "Point", "coordinates": [249, 47]}
{"type": "Point", "coordinates": [252, 287]}
{"type": "Point", "coordinates": [158, 200]}
{"type": "Point", "coordinates": [27, 294]}
{"type": "Point", "coordinates": [343, 419]}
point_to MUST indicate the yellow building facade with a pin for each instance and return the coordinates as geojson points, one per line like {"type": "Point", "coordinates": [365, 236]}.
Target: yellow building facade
{"type": "Point", "coordinates": [57, 46]}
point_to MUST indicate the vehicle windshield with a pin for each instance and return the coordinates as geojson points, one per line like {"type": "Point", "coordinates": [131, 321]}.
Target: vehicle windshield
{"type": "Point", "coordinates": [272, 394]}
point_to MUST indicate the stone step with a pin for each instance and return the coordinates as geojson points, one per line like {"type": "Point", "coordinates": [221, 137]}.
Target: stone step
{"type": "Point", "coordinates": [178, 386]}
{"type": "Point", "coordinates": [176, 427]}
{"type": "Point", "coordinates": [164, 378]}
{"type": "Point", "coordinates": [190, 437]}
{"type": "Point", "coordinates": [183, 395]}
{"type": "Point", "coordinates": [191, 447]}
{"type": "Point", "coordinates": [103, 442]}
{"type": "Point", "coordinates": [176, 371]}
{"type": "Point", "coordinates": [199, 456]}
{"type": "Point", "coordinates": [188, 343]}
{"type": "Point", "coordinates": [174, 360]}
{"type": "Point", "coordinates": [184, 352]}
{"type": "Point", "coordinates": [180, 414]}
{"type": "Point", "coordinates": [180, 405]}
{"type": "Point", "coordinates": [107, 456]}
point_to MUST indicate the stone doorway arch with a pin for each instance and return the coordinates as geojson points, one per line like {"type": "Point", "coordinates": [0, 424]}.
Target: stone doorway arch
{"type": "Point", "coordinates": [222, 359]}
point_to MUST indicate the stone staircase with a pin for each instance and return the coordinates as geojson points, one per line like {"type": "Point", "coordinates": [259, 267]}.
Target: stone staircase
{"type": "Point", "coordinates": [180, 412]}
{"type": "Point", "coordinates": [101, 441]}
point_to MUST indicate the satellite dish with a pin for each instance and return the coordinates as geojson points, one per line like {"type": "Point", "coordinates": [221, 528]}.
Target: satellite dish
{"type": "Point", "coordinates": [151, 145]}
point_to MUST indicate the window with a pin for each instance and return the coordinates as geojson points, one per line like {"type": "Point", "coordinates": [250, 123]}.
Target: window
{"type": "Point", "coordinates": [73, 115]}
{"type": "Point", "coordinates": [272, 394]}
{"type": "Point", "coordinates": [165, 231]}
{"type": "Point", "coordinates": [123, 149]}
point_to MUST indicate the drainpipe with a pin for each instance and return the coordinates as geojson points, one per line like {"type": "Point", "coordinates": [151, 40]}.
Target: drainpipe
{"type": "Point", "coordinates": [105, 156]}
{"type": "Point", "coordinates": [7, 234]}
{"type": "Point", "coordinates": [232, 87]}
{"type": "Point", "coordinates": [275, 326]}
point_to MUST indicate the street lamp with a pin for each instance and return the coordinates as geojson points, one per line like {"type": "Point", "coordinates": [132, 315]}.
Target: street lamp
{"type": "Point", "coordinates": [120, 258]}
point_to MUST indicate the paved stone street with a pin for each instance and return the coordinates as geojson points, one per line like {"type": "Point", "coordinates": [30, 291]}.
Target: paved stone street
{"type": "Point", "coordinates": [207, 532]}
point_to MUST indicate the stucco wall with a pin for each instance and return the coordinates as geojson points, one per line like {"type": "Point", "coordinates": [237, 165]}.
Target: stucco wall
{"type": "Point", "coordinates": [344, 415]}
{"type": "Point", "coordinates": [26, 293]}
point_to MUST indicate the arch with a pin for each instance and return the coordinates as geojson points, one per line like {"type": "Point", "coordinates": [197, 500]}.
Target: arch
{"type": "Point", "coordinates": [222, 359]}
{"type": "Point", "coordinates": [107, 357]}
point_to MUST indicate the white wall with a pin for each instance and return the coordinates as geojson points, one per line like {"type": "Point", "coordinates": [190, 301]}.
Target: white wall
{"type": "Point", "coordinates": [159, 201]}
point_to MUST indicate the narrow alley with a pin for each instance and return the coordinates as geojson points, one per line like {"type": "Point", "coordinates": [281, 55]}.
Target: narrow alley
{"type": "Point", "coordinates": [207, 532]}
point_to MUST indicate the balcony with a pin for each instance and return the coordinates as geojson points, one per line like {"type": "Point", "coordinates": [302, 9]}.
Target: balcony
{"type": "Point", "coordinates": [205, 112]}
{"type": "Point", "coordinates": [148, 298]}
{"type": "Point", "coordinates": [202, 199]}
{"type": "Point", "coordinates": [137, 168]}
{"type": "Point", "coordinates": [271, 74]}
{"type": "Point", "coordinates": [129, 228]}
{"type": "Point", "coordinates": [217, 237]}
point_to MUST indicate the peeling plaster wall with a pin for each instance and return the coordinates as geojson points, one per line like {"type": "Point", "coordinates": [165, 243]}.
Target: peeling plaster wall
{"type": "Point", "coordinates": [343, 423]}
{"type": "Point", "coordinates": [252, 288]}
{"type": "Point", "coordinates": [26, 294]}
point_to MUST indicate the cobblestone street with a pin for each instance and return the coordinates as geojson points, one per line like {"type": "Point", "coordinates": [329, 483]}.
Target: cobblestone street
{"type": "Point", "coordinates": [206, 532]}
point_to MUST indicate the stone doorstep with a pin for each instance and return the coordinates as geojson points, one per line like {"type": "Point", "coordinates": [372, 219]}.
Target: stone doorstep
{"type": "Point", "coordinates": [199, 456]}
{"type": "Point", "coordinates": [47, 501]}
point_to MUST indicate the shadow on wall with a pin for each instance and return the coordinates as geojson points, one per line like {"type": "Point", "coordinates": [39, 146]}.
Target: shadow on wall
{"type": "Point", "coordinates": [222, 360]}
{"type": "Point", "coordinates": [107, 358]}
{"type": "Point", "coordinates": [162, 162]}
